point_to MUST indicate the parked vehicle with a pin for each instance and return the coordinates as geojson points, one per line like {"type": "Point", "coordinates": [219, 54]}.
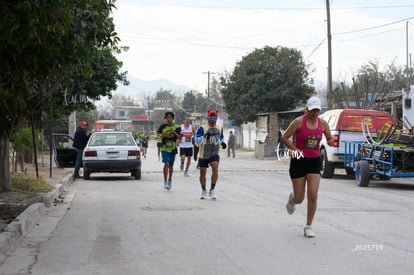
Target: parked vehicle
{"type": "Point", "coordinates": [64, 154]}
{"type": "Point", "coordinates": [347, 125]}
{"type": "Point", "coordinates": [106, 151]}
{"type": "Point", "coordinates": [112, 152]}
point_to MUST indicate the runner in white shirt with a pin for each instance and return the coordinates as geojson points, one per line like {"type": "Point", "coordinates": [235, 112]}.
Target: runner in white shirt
{"type": "Point", "coordinates": [186, 146]}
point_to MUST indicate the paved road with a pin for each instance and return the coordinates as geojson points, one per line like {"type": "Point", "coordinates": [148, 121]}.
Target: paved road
{"type": "Point", "coordinates": [117, 225]}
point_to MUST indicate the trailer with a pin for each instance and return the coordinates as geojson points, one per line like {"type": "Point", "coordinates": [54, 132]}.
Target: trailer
{"type": "Point", "coordinates": [378, 161]}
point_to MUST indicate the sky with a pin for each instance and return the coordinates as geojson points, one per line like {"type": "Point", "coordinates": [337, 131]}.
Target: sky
{"type": "Point", "coordinates": [183, 40]}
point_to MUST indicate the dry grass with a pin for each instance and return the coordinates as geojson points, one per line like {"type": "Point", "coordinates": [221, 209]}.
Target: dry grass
{"type": "Point", "coordinates": [30, 184]}
{"type": "Point", "coordinates": [28, 189]}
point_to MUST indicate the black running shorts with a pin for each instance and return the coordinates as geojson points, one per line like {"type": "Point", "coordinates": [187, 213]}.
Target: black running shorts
{"type": "Point", "coordinates": [303, 166]}
{"type": "Point", "coordinates": [188, 152]}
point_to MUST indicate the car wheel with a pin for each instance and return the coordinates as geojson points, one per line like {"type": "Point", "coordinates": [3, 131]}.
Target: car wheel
{"type": "Point", "coordinates": [86, 174]}
{"type": "Point", "coordinates": [362, 173]}
{"type": "Point", "coordinates": [136, 174]}
{"type": "Point", "coordinates": [327, 169]}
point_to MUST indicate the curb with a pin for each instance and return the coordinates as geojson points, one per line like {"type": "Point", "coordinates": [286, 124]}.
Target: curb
{"type": "Point", "coordinates": [49, 198]}
{"type": "Point", "coordinates": [15, 231]}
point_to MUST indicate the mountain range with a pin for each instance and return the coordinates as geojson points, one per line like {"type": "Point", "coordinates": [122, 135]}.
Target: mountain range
{"type": "Point", "coordinates": [139, 88]}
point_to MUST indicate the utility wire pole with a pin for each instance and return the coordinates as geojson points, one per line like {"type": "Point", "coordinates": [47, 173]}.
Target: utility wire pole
{"type": "Point", "coordinates": [208, 82]}
{"type": "Point", "coordinates": [148, 117]}
{"type": "Point", "coordinates": [330, 96]}
{"type": "Point", "coordinates": [407, 55]}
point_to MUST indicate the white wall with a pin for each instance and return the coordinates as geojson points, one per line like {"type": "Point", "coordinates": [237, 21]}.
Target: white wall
{"type": "Point", "coordinates": [247, 135]}
{"type": "Point", "coordinates": [408, 112]}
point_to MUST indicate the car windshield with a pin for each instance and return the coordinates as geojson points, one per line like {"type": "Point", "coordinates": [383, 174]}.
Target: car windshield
{"type": "Point", "coordinates": [105, 139]}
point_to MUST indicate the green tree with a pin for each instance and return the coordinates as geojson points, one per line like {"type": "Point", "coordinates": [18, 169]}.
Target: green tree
{"type": "Point", "coordinates": [46, 48]}
{"type": "Point", "coordinates": [189, 103]}
{"type": "Point", "coordinates": [266, 80]}
{"type": "Point", "coordinates": [22, 143]}
{"type": "Point", "coordinates": [85, 90]}
{"type": "Point", "coordinates": [195, 102]}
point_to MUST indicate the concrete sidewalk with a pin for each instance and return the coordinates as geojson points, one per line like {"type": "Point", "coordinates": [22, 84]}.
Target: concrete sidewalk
{"type": "Point", "coordinates": [26, 221]}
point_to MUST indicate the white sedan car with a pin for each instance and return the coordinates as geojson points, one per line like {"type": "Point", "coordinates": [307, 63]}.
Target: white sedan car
{"type": "Point", "coordinates": [114, 152]}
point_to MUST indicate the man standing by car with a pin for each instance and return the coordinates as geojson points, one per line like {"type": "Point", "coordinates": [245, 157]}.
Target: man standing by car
{"type": "Point", "coordinates": [79, 143]}
{"type": "Point", "coordinates": [170, 134]}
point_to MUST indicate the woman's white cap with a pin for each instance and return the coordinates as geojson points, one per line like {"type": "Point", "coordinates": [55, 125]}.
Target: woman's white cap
{"type": "Point", "coordinates": [314, 103]}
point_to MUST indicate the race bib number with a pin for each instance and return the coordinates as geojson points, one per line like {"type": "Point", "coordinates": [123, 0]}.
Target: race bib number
{"type": "Point", "coordinates": [187, 136]}
{"type": "Point", "coordinates": [312, 142]}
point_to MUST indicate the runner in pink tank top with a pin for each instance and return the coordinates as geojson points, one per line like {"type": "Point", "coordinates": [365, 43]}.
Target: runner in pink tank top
{"type": "Point", "coordinates": [305, 163]}
{"type": "Point", "coordinates": [307, 139]}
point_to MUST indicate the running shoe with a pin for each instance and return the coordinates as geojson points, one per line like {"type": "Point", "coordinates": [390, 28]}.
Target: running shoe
{"type": "Point", "coordinates": [165, 184]}
{"type": "Point", "coordinates": [186, 174]}
{"type": "Point", "coordinates": [203, 194]}
{"type": "Point", "coordinates": [290, 206]}
{"type": "Point", "coordinates": [307, 232]}
{"type": "Point", "coordinates": [212, 194]}
{"type": "Point", "coordinates": [182, 166]}
{"type": "Point", "coordinates": [169, 184]}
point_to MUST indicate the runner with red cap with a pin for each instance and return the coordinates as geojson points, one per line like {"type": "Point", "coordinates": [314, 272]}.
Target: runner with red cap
{"type": "Point", "coordinates": [209, 137]}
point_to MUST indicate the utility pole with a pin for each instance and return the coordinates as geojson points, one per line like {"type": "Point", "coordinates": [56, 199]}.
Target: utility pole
{"type": "Point", "coordinates": [148, 118]}
{"type": "Point", "coordinates": [407, 55]}
{"type": "Point", "coordinates": [328, 23]}
{"type": "Point", "coordinates": [208, 82]}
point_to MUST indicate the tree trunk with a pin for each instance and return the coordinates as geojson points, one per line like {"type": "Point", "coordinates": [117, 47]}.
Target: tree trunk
{"type": "Point", "coordinates": [5, 181]}
{"type": "Point", "coordinates": [15, 155]}
{"type": "Point", "coordinates": [21, 160]}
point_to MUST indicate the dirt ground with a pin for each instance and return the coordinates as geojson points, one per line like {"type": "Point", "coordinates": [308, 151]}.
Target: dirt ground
{"type": "Point", "coordinates": [12, 203]}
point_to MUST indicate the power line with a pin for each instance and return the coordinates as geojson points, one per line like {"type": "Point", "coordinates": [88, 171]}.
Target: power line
{"type": "Point", "coordinates": [375, 27]}
{"type": "Point", "coordinates": [366, 36]}
{"type": "Point", "coordinates": [186, 42]}
{"type": "Point", "coordinates": [226, 7]}
{"type": "Point", "coordinates": [272, 8]}
{"type": "Point", "coordinates": [218, 103]}
{"type": "Point", "coordinates": [209, 45]}
{"type": "Point", "coordinates": [317, 47]}
{"type": "Point", "coordinates": [374, 7]}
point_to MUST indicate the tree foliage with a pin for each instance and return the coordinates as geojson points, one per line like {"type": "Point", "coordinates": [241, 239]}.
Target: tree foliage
{"type": "Point", "coordinates": [192, 102]}
{"type": "Point", "coordinates": [266, 80]}
{"type": "Point", "coordinates": [50, 49]}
